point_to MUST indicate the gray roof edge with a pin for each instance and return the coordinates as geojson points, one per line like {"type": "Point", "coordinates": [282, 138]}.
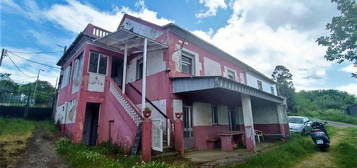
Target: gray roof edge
{"type": "Point", "coordinates": [214, 49]}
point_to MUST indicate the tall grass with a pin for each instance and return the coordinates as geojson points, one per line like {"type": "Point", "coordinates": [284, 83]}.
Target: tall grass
{"type": "Point", "coordinates": [16, 126]}
{"type": "Point", "coordinates": [331, 114]}
{"type": "Point", "coordinates": [286, 155]}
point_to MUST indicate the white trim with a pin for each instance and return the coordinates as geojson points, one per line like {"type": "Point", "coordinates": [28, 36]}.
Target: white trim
{"type": "Point", "coordinates": [197, 66]}
{"type": "Point", "coordinates": [99, 54]}
{"type": "Point", "coordinates": [230, 69]}
{"type": "Point", "coordinates": [143, 86]}
{"type": "Point", "coordinates": [124, 68]}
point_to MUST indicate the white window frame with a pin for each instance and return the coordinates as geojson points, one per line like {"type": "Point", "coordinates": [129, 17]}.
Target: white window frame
{"type": "Point", "coordinates": [97, 71]}
{"type": "Point", "coordinates": [213, 106]}
{"type": "Point", "coordinates": [226, 71]}
{"type": "Point", "coordinates": [193, 63]}
{"type": "Point", "coordinates": [233, 73]}
{"type": "Point", "coordinates": [261, 84]}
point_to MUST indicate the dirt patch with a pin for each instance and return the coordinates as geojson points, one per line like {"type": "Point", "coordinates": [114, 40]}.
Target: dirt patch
{"type": "Point", "coordinates": [12, 147]}
{"type": "Point", "coordinates": [41, 153]}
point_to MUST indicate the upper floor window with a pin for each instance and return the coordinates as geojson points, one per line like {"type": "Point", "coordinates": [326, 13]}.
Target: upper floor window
{"type": "Point", "coordinates": [139, 69]}
{"type": "Point", "coordinates": [214, 115]}
{"type": "Point", "coordinates": [231, 74]}
{"type": "Point", "coordinates": [260, 85]}
{"type": "Point", "coordinates": [272, 90]}
{"type": "Point", "coordinates": [187, 63]}
{"type": "Point", "coordinates": [98, 63]}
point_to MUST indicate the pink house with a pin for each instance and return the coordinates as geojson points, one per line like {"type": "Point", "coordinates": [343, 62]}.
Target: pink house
{"type": "Point", "coordinates": [107, 76]}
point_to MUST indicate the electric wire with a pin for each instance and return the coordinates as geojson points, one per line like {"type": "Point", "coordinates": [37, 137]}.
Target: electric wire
{"type": "Point", "coordinates": [42, 52]}
{"type": "Point", "coordinates": [17, 67]}
{"type": "Point", "coordinates": [50, 66]}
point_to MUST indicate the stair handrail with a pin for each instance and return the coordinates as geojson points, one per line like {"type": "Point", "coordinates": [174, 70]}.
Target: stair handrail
{"type": "Point", "coordinates": [136, 109]}
{"type": "Point", "coordinates": [152, 104]}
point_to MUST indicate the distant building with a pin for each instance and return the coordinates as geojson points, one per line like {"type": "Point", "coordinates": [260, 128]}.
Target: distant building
{"type": "Point", "coordinates": [103, 80]}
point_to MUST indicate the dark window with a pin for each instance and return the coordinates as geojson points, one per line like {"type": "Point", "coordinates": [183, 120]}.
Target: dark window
{"type": "Point", "coordinates": [139, 69]}
{"type": "Point", "coordinates": [187, 63]}
{"type": "Point", "coordinates": [260, 85]}
{"type": "Point", "coordinates": [272, 90]}
{"type": "Point", "coordinates": [231, 74]}
{"type": "Point", "coordinates": [103, 64]}
{"type": "Point", "coordinates": [214, 115]}
{"type": "Point", "coordinates": [98, 63]}
{"type": "Point", "coordinates": [93, 62]}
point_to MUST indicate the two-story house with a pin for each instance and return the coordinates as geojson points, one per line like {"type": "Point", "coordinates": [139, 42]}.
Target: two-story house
{"type": "Point", "coordinates": [107, 76]}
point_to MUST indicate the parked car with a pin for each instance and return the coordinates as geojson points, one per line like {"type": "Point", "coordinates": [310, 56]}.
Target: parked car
{"type": "Point", "coordinates": [299, 124]}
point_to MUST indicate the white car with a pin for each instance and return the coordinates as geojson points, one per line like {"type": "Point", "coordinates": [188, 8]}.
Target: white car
{"type": "Point", "coordinates": [299, 124]}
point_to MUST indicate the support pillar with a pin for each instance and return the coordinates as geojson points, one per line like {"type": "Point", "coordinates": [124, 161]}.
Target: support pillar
{"type": "Point", "coordinates": [143, 86]}
{"type": "Point", "coordinates": [282, 119]}
{"type": "Point", "coordinates": [124, 67]}
{"type": "Point", "coordinates": [248, 122]}
{"type": "Point", "coordinates": [179, 139]}
{"type": "Point", "coordinates": [146, 140]}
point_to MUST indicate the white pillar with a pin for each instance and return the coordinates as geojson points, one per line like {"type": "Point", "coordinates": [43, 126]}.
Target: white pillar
{"type": "Point", "coordinates": [282, 119]}
{"type": "Point", "coordinates": [143, 86]}
{"type": "Point", "coordinates": [248, 122]}
{"type": "Point", "coordinates": [124, 68]}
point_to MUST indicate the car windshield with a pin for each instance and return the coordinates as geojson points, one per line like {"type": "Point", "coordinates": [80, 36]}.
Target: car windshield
{"type": "Point", "coordinates": [296, 120]}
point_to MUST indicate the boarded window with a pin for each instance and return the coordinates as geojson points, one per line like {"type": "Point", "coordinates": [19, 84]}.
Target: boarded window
{"type": "Point", "coordinates": [214, 114]}
{"type": "Point", "coordinates": [98, 63]}
{"type": "Point", "coordinates": [139, 69]}
{"type": "Point", "coordinates": [187, 63]}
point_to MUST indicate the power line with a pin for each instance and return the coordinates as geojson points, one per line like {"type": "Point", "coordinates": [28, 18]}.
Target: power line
{"type": "Point", "coordinates": [44, 52]}
{"type": "Point", "coordinates": [20, 69]}
{"type": "Point", "coordinates": [33, 61]}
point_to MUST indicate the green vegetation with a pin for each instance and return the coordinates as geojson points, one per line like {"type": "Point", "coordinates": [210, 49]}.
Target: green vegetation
{"type": "Point", "coordinates": [346, 151]}
{"type": "Point", "coordinates": [286, 155]}
{"type": "Point", "coordinates": [14, 136]}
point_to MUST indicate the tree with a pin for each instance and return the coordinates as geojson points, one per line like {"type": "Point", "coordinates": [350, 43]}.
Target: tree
{"type": "Point", "coordinates": [44, 91]}
{"type": "Point", "coordinates": [342, 41]}
{"type": "Point", "coordinates": [284, 80]}
{"type": "Point", "coordinates": [6, 84]}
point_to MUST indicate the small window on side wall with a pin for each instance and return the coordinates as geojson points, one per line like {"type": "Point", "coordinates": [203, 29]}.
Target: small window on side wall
{"type": "Point", "coordinates": [98, 63]}
{"type": "Point", "coordinates": [187, 63]}
{"type": "Point", "coordinates": [272, 90]}
{"type": "Point", "coordinates": [231, 74]}
{"type": "Point", "coordinates": [260, 85]}
{"type": "Point", "coordinates": [214, 115]}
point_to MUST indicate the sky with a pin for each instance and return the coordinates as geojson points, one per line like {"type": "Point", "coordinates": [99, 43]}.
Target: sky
{"type": "Point", "coordinates": [261, 33]}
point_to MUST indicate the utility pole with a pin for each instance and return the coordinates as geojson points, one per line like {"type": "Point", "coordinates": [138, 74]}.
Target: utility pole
{"type": "Point", "coordinates": [38, 75]}
{"type": "Point", "coordinates": [3, 54]}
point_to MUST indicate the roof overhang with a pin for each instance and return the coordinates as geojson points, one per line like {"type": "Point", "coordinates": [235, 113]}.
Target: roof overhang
{"type": "Point", "coordinates": [217, 85]}
{"type": "Point", "coordinates": [134, 42]}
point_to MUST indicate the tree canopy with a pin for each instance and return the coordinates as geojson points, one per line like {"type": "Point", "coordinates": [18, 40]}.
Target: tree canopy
{"type": "Point", "coordinates": [342, 41]}
{"type": "Point", "coordinates": [284, 80]}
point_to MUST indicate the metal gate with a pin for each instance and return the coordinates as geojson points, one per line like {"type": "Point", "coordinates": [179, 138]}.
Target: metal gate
{"type": "Point", "coordinates": [157, 135]}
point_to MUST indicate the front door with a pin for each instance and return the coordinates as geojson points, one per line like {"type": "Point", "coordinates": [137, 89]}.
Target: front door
{"type": "Point", "coordinates": [91, 124]}
{"type": "Point", "coordinates": [187, 121]}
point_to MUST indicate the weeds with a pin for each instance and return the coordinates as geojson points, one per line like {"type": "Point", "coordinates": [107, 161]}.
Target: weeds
{"type": "Point", "coordinates": [346, 151]}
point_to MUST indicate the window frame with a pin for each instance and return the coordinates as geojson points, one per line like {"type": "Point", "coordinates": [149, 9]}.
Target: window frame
{"type": "Point", "coordinates": [98, 63]}
{"type": "Point", "coordinates": [139, 75]}
{"type": "Point", "coordinates": [190, 56]}
{"type": "Point", "coordinates": [214, 114]}
{"type": "Point", "coordinates": [272, 90]}
{"type": "Point", "coordinates": [233, 73]}
{"type": "Point", "coordinates": [260, 84]}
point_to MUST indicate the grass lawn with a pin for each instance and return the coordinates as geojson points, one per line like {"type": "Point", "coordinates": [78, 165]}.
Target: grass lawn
{"type": "Point", "coordinates": [287, 154]}
{"type": "Point", "coordinates": [14, 136]}
{"type": "Point", "coordinates": [345, 152]}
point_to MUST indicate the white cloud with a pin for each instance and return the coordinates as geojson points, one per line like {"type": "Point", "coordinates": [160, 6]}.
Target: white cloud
{"type": "Point", "coordinates": [212, 7]}
{"type": "Point", "coordinates": [252, 36]}
{"type": "Point", "coordinates": [349, 68]}
{"type": "Point", "coordinates": [350, 88]}
{"type": "Point", "coordinates": [74, 16]}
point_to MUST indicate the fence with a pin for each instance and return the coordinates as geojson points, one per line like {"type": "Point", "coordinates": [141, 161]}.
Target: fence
{"type": "Point", "coordinates": [19, 105]}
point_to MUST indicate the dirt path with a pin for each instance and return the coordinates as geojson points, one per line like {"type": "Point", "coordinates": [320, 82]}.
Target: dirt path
{"type": "Point", "coordinates": [41, 153]}
{"type": "Point", "coordinates": [322, 159]}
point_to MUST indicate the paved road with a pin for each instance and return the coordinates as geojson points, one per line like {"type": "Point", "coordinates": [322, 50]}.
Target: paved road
{"type": "Point", "coordinates": [340, 124]}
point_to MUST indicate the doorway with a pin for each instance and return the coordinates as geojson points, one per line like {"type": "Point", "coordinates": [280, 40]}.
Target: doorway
{"type": "Point", "coordinates": [90, 131]}
{"type": "Point", "coordinates": [187, 122]}
{"type": "Point", "coordinates": [117, 70]}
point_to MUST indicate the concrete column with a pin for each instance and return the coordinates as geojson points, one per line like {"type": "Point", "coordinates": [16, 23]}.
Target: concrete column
{"type": "Point", "coordinates": [282, 119]}
{"type": "Point", "coordinates": [248, 122]}
{"type": "Point", "coordinates": [124, 67]}
{"type": "Point", "coordinates": [179, 139]}
{"type": "Point", "coordinates": [146, 140]}
{"type": "Point", "coordinates": [143, 86]}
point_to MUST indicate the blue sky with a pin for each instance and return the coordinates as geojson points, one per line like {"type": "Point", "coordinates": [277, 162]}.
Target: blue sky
{"type": "Point", "coordinates": [261, 33]}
